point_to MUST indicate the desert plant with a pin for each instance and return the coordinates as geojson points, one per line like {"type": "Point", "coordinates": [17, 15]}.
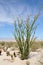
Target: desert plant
{"type": "Point", "coordinates": [41, 63]}
{"type": "Point", "coordinates": [24, 31]}
{"type": "Point", "coordinates": [12, 57]}
{"type": "Point", "coordinates": [8, 53]}
{"type": "Point", "coordinates": [0, 51]}
{"type": "Point", "coordinates": [0, 46]}
{"type": "Point", "coordinates": [27, 62]}
{"type": "Point", "coordinates": [2, 43]}
{"type": "Point", "coordinates": [41, 58]}
{"type": "Point", "coordinates": [14, 54]}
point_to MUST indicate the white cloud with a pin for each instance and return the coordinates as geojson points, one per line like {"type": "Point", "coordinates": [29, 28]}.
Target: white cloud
{"type": "Point", "coordinates": [10, 10]}
{"type": "Point", "coordinates": [8, 13]}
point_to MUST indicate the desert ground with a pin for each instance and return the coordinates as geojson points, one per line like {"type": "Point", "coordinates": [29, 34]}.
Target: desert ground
{"type": "Point", "coordinates": [35, 57]}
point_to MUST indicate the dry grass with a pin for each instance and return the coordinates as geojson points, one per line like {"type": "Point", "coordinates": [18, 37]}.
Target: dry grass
{"type": "Point", "coordinates": [34, 46]}
{"type": "Point", "coordinates": [8, 45]}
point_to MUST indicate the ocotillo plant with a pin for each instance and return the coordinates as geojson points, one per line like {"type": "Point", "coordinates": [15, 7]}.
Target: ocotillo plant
{"type": "Point", "coordinates": [24, 31]}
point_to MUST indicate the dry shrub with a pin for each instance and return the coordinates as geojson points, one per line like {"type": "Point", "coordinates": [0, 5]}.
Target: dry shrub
{"type": "Point", "coordinates": [27, 62]}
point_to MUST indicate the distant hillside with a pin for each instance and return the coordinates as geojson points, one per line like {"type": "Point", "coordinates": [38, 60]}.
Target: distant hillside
{"type": "Point", "coordinates": [7, 40]}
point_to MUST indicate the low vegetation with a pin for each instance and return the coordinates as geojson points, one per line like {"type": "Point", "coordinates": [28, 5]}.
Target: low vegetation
{"type": "Point", "coordinates": [35, 45]}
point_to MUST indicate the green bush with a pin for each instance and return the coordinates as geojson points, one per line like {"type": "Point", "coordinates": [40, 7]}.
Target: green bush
{"type": "Point", "coordinates": [24, 31]}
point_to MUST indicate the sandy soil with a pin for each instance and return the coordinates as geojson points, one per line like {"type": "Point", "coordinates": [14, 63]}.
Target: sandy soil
{"type": "Point", "coordinates": [34, 58]}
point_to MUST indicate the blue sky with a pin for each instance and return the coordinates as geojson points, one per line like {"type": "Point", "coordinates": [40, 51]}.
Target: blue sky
{"type": "Point", "coordinates": [11, 9]}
